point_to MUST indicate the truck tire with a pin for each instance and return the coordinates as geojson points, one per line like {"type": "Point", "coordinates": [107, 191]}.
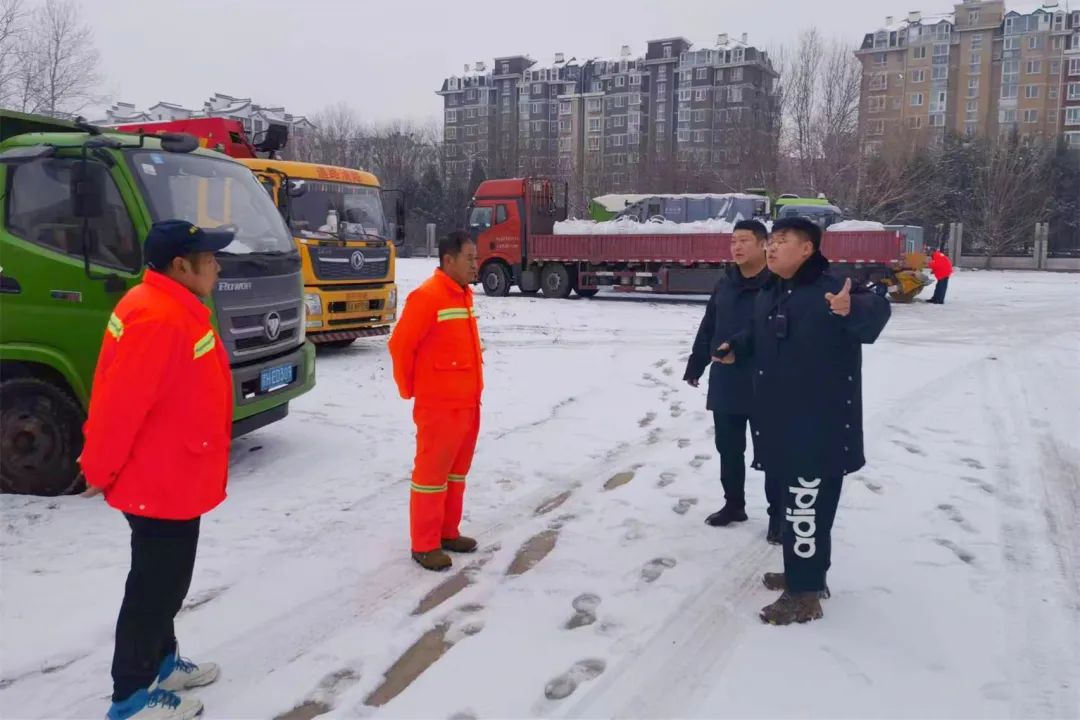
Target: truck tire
{"type": "Point", "coordinates": [556, 281]}
{"type": "Point", "coordinates": [40, 438]}
{"type": "Point", "coordinates": [496, 279]}
{"type": "Point", "coordinates": [587, 293]}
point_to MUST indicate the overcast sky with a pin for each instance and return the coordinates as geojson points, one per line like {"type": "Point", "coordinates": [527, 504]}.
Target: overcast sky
{"type": "Point", "coordinates": [386, 58]}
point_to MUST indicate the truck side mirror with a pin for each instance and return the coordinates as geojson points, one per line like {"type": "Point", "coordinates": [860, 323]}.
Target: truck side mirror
{"type": "Point", "coordinates": [399, 212]}
{"type": "Point", "coordinates": [88, 189]}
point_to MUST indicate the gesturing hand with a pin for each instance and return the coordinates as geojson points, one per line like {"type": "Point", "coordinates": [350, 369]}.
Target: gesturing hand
{"type": "Point", "coordinates": [840, 303]}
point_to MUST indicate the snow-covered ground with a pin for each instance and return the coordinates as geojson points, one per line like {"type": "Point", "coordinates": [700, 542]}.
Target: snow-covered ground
{"type": "Point", "coordinates": [599, 592]}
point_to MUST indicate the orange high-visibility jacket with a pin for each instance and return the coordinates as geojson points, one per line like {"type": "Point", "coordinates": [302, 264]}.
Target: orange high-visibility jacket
{"type": "Point", "coordinates": [160, 419]}
{"type": "Point", "coordinates": [436, 346]}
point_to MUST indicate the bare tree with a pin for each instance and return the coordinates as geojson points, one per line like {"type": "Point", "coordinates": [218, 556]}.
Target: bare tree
{"type": "Point", "coordinates": [59, 64]}
{"type": "Point", "coordinates": [1010, 192]}
{"type": "Point", "coordinates": [12, 30]}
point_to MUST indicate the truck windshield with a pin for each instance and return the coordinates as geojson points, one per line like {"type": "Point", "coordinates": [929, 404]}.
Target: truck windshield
{"type": "Point", "coordinates": [212, 193]}
{"type": "Point", "coordinates": [332, 208]}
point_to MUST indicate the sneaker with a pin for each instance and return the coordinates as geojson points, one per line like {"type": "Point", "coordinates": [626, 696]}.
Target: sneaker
{"type": "Point", "coordinates": [726, 515]}
{"type": "Point", "coordinates": [179, 673]}
{"type": "Point", "coordinates": [777, 581]}
{"type": "Point", "coordinates": [435, 560]}
{"type": "Point", "coordinates": [460, 544]}
{"type": "Point", "coordinates": [793, 608]}
{"type": "Point", "coordinates": [775, 536]}
{"type": "Point", "coordinates": [156, 704]}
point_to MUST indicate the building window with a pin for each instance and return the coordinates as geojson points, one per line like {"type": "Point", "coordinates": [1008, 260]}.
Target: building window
{"type": "Point", "coordinates": [699, 116]}
{"type": "Point", "coordinates": [881, 59]}
{"type": "Point", "coordinates": [565, 108]}
{"type": "Point", "coordinates": [685, 95]}
{"type": "Point", "coordinates": [594, 105]}
{"type": "Point", "coordinates": [937, 120]}
{"type": "Point", "coordinates": [667, 51]}
{"type": "Point", "coordinates": [914, 123]}
{"type": "Point", "coordinates": [1074, 91]}
{"type": "Point", "coordinates": [1007, 117]}
{"type": "Point", "coordinates": [875, 127]}
{"type": "Point", "coordinates": [879, 81]}
{"type": "Point", "coordinates": [1034, 67]}
{"type": "Point", "coordinates": [941, 72]}
{"type": "Point", "coordinates": [565, 126]}
{"type": "Point", "coordinates": [1059, 43]}
{"type": "Point", "coordinates": [917, 100]}
{"type": "Point", "coordinates": [1031, 92]}
{"type": "Point", "coordinates": [593, 143]}
{"type": "Point", "coordinates": [736, 95]}
{"type": "Point", "coordinates": [701, 94]}
{"type": "Point", "coordinates": [537, 108]}
{"type": "Point", "coordinates": [1012, 44]}
{"type": "Point", "coordinates": [918, 76]}
{"type": "Point", "coordinates": [1031, 116]}
{"type": "Point", "coordinates": [973, 17]}
{"type": "Point", "coordinates": [699, 136]}
{"type": "Point", "coordinates": [1074, 66]}
{"type": "Point", "coordinates": [661, 89]}
{"type": "Point", "coordinates": [939, 103]}
{"type": "Point", "coordinates": [701, 73]}
{"type": "Point", "coordinates": [876, 103]}
{"type": "Point", "coordinates": [451, 133]}
{"type": "Point", "coordinates": [1034, 42]}
{"type": "Point", "coordinates": [1055, 67]}
{"type": "Point", "coordinates": [918, 53]}
{"type": "Point", "coordinates": [1072, 116]}
{"type": "Point", "coordinates": [976, 41]}
{"type": "Point", "coordinates": [635, 80]}
{"type": "Point", "coordinates": [941, 50]}
{"type": "Point", "coordinates": [1052, 92]}
{"type": "Point", "coordinates": [506, 68]}
{"type": "Point", "coordinates": [594, 125]}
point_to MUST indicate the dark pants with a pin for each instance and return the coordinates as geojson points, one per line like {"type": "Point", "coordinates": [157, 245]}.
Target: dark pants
{"type": "Point", "coordinates": [940, 289]}
{"type": "Point", "coordinates": [162, 560]}
{"type": "Point", "coordinates": [810, 510]}
{"type": "Point", "coordinates": [731, 444]}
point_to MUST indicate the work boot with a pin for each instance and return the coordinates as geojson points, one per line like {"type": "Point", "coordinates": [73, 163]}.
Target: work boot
{"type": "Point", "coordinates": [435, 560]}
{"type": "Point", "coordinates": [793, 608]}
{"type": "Point", "coordinates": [727, 515]}
{"type": "Point", "coordinates": [778, 582]}
{"type": "Point", "coordinates": [460, 544]}
{"type": "Point", "coordinates": [775, 536]}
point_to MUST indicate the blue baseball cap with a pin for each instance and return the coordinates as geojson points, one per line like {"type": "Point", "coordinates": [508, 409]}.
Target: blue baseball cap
{"type": "Point", "coordinates": [170, 239]}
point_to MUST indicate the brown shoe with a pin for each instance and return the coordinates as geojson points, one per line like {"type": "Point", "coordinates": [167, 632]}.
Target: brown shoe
{"type": "Point", "coordinates": [460, 544]}
{"type": "Point", "coordinates": [435, 560]}
{"type": "Point", "coordinates": [793, 608]}
{"type": "Point", "coordinates": [777, 582]}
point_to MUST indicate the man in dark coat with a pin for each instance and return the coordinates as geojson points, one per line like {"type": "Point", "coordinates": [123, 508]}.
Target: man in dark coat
{"type": "Point", "coordinates": [731, 386]}
{"type": "Point", "coordinates": [805, 351]}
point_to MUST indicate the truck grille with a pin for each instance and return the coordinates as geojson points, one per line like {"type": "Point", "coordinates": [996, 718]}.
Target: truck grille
{"type": "Point", "coordinates": [338, 263]}
{"type": "Point", "coordinates": [259, 316]}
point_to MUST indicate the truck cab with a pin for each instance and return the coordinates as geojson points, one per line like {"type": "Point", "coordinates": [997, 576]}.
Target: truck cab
{"type": "Point", "coordinates": [501, 217]}
{"type": "Point", "coordinates": [349, 258]}
{"type": "Point", "coordinates": [78, 203]}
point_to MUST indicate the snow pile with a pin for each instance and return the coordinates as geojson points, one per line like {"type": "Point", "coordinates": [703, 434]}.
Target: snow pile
{"type": "Point", "coordinates": [619, 202]}
{"type": "Point", "coordinates": [856, 226]}
{"type": "Point", "coordinates": [655, 226]}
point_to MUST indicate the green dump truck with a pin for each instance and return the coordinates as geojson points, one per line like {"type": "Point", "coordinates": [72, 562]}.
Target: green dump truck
{"type": "Point", "coordinates": [77, 204]}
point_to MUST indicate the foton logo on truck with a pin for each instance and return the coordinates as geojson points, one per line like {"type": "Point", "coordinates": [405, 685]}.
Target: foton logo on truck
{"type": "Point", "coordinates": [226, 286]}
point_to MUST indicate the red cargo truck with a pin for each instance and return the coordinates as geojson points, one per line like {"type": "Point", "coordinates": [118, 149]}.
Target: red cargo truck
{"type": "Point", "coordinates": [513, 223]}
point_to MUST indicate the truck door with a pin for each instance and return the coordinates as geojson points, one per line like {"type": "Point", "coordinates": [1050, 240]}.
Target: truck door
{"type": "Point", "coordinates": [48, 299]}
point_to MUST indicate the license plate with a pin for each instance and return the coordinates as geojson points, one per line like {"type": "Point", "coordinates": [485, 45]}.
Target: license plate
{"type": "Point", "coordinates": [359, 306]}
{"type": "Point", "coordinates": [276, 377]}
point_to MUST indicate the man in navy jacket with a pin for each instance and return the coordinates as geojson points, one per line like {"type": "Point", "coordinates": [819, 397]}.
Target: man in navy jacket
{"type": "Point", "coordinates": [804, 348]}
{"type": "Point", "coordinates": [731, 386]}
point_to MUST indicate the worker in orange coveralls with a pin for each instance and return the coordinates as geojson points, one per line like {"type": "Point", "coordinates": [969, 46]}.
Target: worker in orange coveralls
{"type": "Point", "coordinates": [437, 360]}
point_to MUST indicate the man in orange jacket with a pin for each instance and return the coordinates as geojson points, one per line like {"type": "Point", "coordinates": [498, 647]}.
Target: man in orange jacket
{"type": "Point", "coordinates": [437, 360]}
{"type": "Point", "coordinates": [942, 268]}
{"type": "Point", "coordinates": [157, 446]}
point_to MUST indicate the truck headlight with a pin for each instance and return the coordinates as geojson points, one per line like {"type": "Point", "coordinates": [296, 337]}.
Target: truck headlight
{"type": "Point", "coordinates": [391, 302]}
{"type": "Point", "coordinates": [313, 304]}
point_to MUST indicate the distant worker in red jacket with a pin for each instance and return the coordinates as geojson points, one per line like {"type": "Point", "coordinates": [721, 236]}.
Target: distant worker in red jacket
{"type": "Point", "coordinates": [157, 446]}
{"type": "Point", "coordinates": [438, 361]}
{"type": "Point", "coordinates": [941, 266]}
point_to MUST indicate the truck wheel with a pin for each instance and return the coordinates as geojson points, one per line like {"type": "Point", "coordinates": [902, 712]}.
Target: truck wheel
{"type": "Point", "coordinates": [40, 438]}
{"type": "Point", "coordinates": [587, 293]}
{"type": "Point", "coordinates": [555, 281]}
{"type": "Point", "coordinates": [496, 280]}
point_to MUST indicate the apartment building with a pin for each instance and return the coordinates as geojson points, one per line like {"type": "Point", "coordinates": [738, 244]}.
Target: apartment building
{"type": "Point", "coordinates": [605, 124]}
{"type": "Point", "coordinates": [988, 67]}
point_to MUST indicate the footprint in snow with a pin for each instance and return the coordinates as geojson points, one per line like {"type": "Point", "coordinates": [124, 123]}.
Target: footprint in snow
{"type": "Point", "coordinates": [872, 486]}
{"type": "Point", "coordinates": [963, 555]}
{"type": "Point", "coordinates": [981, 484]}
{"type": "Point", "coordinates": [684, 443]}
{"type": "Point", "coordinates": [699, 461]}
{"type": "Point", "coordinates": [973, 463]}
{"type": "Point", "coordinates": [585, 606]}
{"type": "Point", "coordinates": [654, 436]}
{"type": "Point", "coordinates": [676, 409]}
{"type": "Point", "coordinates": [684, 505]}
{"type": "Point", "coordinates": [647, 420]}
{"type": "Point", "coordinates": [581, 671]}
{"type": "Point", "coordinates": [655, 568]}
{"type": "Point", "coordinates": [914, 450]}
{"type": "Point", "coordinates": [956, 516]}
{"type": "Point", "coordinates": [665, 479]}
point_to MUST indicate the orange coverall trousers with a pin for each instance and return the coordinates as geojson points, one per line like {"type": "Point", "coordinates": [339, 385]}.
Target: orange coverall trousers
{"type": "Point", "coordinates": [445, 443]}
